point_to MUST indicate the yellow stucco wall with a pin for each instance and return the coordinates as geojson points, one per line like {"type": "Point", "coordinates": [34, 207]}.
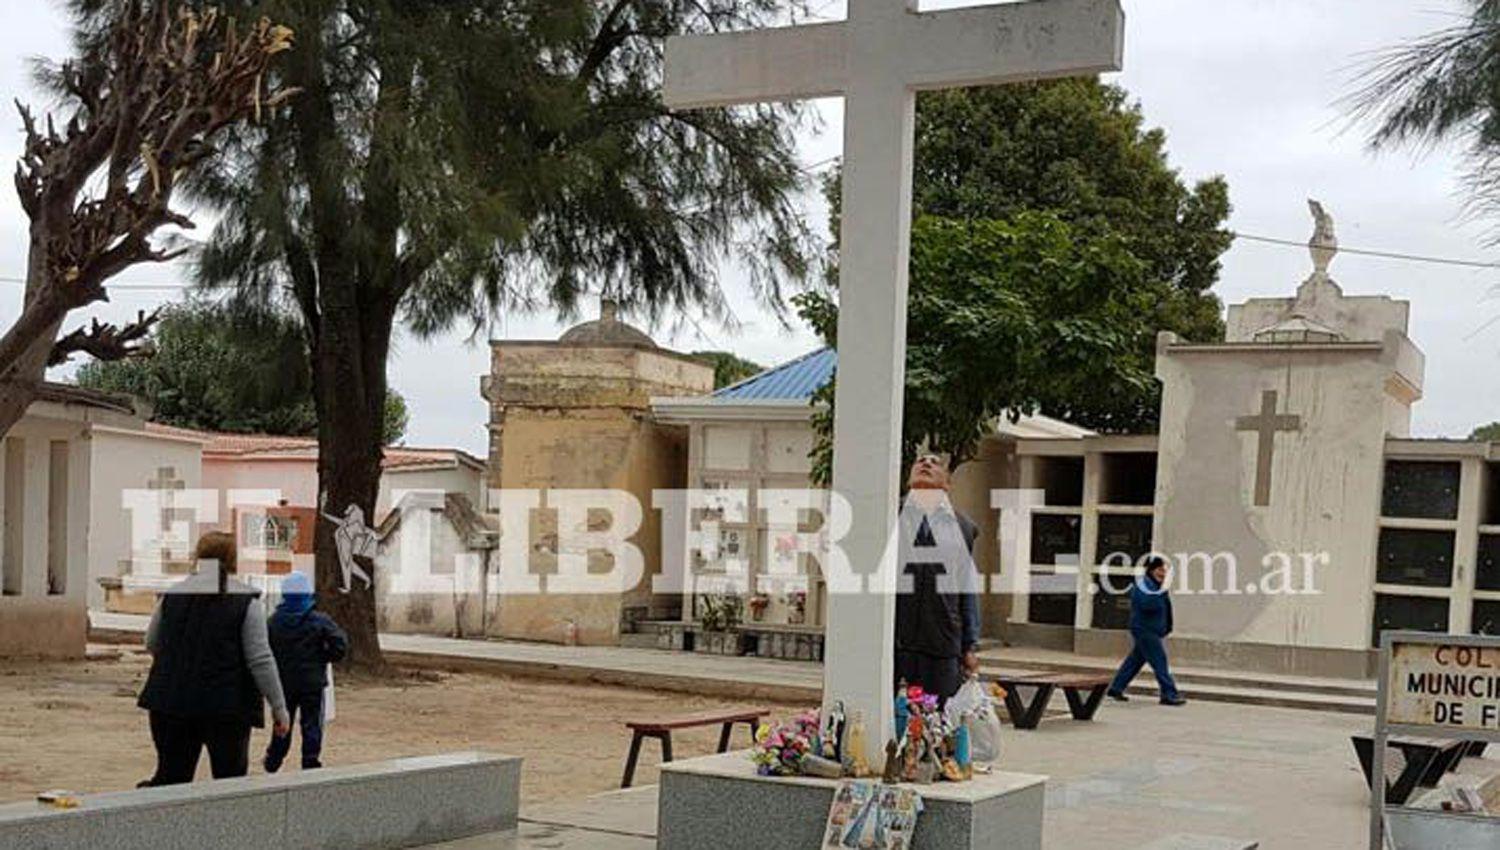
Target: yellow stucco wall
{"type": "Point", "coordinates": [577, 417]}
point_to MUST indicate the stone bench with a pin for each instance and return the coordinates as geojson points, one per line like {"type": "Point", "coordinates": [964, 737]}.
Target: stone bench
{"type": "Point", "coordinates": [401, 803]}
{"type": "Point", "coordinates": [1085, 691]}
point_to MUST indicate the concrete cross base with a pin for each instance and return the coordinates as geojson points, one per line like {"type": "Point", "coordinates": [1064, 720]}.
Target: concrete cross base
{"type": "Point", "coordinates": [1416, 829]}
{"type": "Point", "coordinates": [719, 801]}
{"type": "Point", "coordinates": [401, 803]}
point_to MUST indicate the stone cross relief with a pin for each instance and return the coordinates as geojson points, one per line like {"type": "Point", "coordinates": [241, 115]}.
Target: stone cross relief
{"type": "Point", "coordinates": [167, 482]}
{"type": "Point", "coordinates": [877, 60]}
{"type": "Point", "coordinates": [1265, 426]}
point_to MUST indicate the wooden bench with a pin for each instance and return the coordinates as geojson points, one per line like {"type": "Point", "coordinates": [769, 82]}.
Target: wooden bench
{"type": "Point", "coordinates": [1084, 691]}
{"type": "Point", "coordinates": [1410, 762]}
{"type": "Point", "coordinates": [662, 729]}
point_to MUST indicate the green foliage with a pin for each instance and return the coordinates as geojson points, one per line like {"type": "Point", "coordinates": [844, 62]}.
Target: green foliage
{"type": "Point", "coordinates": [483, 154]}
{"type": "Point", "coordinates": [1487, 433]}
{"type": "Point", "coordinates": [1439, 87]}
{"type": "Point", "coordinates": [225, 367]}
{"type": "Point", "coordinates": [728, 367]}
{"type": "Point", "coordinates": [1009, 318]}
{"type": "Point", "coordinates": [1028, 167]}
{"type": "Point", "coordinates": [720, 612]}
{"type": "Point", "coordinates": [1081, 150]}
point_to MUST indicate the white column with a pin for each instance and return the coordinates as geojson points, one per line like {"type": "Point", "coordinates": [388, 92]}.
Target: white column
{"type": "Point", "coordinates": [858, 664]}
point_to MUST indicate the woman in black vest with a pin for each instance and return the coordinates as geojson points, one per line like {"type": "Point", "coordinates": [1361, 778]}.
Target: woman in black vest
{"type": "Point", "coordinates": [211, 665]}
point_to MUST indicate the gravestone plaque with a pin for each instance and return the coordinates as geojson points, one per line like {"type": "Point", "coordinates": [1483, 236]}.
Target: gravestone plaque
{"type": "Point", "coordinates": [1487, 570]}
{"type": "Point", "coordinates": [1487, 617]}
{"type": "Point", "coordinates": [1129, 478]}
{"type": "Point", "coordinates": [1112, 601]}
{"type": "Point", "coordinates": [1419, 557]}
{"type": "Point", "coordinates": [1412, 613]}
{"type": "Point", "coordinates": [1061, 479]}
{"type": "Point", "coordinates": [1126, 535]}
{"type": "Point", "coordinates": [1421, 489]}
{"type": "Point", "coordinates": [1054, 609]}
{"type": "Point", "coordinates": [1055, 538]}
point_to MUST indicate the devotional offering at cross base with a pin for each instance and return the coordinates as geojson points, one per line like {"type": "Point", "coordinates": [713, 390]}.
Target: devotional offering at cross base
{"type": "Point", "coordinates": [933, 741]}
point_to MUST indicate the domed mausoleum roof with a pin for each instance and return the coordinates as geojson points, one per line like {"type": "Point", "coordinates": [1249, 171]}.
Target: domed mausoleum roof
{"type": "Point", "coordinates": [1298, 328]}
{"type": "Point", "coordinates": [607, 330]}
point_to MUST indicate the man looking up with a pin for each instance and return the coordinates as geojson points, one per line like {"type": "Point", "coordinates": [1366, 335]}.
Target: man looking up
{"type": "Point", "coordinates": [937, 612]}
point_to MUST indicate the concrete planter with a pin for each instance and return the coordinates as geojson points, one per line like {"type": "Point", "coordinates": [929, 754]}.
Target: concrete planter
{"type": "Point", "coordinates": [719, 643]}
{"type": "Point", "coordinates": [719, 801]}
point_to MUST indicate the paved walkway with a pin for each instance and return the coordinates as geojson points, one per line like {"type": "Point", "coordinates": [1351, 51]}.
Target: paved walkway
{"type": "Point", "coordinates": [1140, 777]}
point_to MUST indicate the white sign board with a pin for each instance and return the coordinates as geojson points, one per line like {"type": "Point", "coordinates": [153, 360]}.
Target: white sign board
{"type": "Point", "coordinates": [1450, 685]}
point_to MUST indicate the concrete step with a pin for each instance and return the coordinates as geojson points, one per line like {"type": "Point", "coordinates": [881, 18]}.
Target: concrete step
{"type": "Point", "coordinates": [1348, 688]}
{"type": "Point", "coordinates": [1145, 688]}
{"type": "Point", "coordinates": [1259, 696]}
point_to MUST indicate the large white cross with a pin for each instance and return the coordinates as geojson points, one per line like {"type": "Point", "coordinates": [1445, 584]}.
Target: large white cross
{"type": "Point", "coordinates": [878, 59]}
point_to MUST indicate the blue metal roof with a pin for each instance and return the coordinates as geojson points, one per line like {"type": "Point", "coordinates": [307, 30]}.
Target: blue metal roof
{"type": "Point", "coordinates": [793, 381]}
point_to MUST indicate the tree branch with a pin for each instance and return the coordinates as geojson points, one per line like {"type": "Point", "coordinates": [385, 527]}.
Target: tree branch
{"type": "Point", "coordinates": [107, 341]}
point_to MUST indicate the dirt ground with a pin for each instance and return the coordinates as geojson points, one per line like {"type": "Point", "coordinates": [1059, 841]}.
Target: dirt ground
{"type": "Point", "coordinates": [75, 726]}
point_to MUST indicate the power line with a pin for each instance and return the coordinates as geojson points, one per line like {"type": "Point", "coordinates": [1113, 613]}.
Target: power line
{"type": "Point", "coordinates": [1368, 252]}
{"type": "Point", "coordinates": [812, 168]}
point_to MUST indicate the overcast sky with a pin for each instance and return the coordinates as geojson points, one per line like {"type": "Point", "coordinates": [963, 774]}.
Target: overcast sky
{"type": "Point", "coordinates": [1244, 88]}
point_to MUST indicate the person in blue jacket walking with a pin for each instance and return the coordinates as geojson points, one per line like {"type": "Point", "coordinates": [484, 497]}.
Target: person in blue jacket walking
{"type": "Point", "coordinates": [305, 641]}
{"type": "Point", "coordinates": [1150, 623]}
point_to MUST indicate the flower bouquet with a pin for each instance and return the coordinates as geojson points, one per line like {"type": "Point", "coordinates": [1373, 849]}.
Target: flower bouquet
{"type": "Point", "coordinates": [780, 751]}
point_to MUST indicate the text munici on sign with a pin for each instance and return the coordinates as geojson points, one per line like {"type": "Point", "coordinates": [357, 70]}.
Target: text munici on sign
{"type": "Point", "coordinates": [1444, 685]}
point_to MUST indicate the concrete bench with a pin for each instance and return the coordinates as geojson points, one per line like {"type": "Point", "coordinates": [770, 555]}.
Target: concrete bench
{"type": "Point", "coordinates": [1085, 691]}
{"type": "Point", "coordinates": [392, 804]}
{"type": "Point", "coordinates": [1410, 762]}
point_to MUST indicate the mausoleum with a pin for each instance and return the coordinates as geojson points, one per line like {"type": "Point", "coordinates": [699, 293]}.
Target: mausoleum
{"type": "Point", "coordinates": [575, 413]}
{"type": "Point", "coordinates": [45, 514]}
{"type": "Point", "coordinates": [1285, 450]}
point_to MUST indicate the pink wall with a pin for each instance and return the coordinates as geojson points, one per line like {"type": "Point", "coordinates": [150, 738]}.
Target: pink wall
{"type": "Point", "coordinates": [297, 479]}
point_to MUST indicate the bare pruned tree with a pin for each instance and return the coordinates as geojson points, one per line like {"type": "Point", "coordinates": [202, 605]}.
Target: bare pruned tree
{"type": "Point", "coordinates": [147, 97]}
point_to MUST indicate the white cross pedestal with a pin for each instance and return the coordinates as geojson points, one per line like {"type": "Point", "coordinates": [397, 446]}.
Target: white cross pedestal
{"type": "Point", "coordinates": [877, 60]}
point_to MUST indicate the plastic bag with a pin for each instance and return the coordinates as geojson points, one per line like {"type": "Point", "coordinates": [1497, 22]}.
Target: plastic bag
{"type": "Point", "coordinates": [984, 734]}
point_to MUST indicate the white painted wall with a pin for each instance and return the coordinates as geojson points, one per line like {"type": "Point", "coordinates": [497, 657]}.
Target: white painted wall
{"type": "Point", "coordinates": [1325, 497]}
{"type": "Point", "coordinates": [462, 479]}
{"type": "Point", "coordinates": [36, 621]}
{"type": "Point", "coordinates": [121, 460]}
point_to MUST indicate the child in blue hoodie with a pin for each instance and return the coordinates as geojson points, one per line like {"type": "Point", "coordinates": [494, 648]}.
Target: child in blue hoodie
{"type": "Point", "coordinates": [304, 642]}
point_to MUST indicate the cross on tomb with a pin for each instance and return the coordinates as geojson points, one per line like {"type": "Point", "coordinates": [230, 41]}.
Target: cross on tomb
{"type": "Point", "coordinates": [1265, 426]}
{"type": "Point", "coordinates": [877, 60]}
{"type": "Point", "coordinates": [166, 480]}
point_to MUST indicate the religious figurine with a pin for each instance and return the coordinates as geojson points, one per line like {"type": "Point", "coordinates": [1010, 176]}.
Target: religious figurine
{"type": "Point", "coordinates": [926, 773]}
{"type": "Point", "coordinates": [855, 762]}
{"type": "Point", "coordinates": [962, 748]}
{"type": "Point", "coordinates": [932, 754]}
{"type": "Point", "coordinates": [912, 748]}
{"type": "Point", "coordinates": [951, 771]}
{"type": "Point", "coordinates": [903, 707]}
{"type": "Point", "coordinates": [892, 773]}
{"type": "Point", "coordinates": [833, 733]}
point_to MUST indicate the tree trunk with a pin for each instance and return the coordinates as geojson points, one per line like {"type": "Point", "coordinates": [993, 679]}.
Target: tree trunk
{"type": "Point", "coordinates": [349, 387]}
{"type": "Point", "coordinates": [19, 391]}
{"type": "Point", "coordinates": [27, 344]}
